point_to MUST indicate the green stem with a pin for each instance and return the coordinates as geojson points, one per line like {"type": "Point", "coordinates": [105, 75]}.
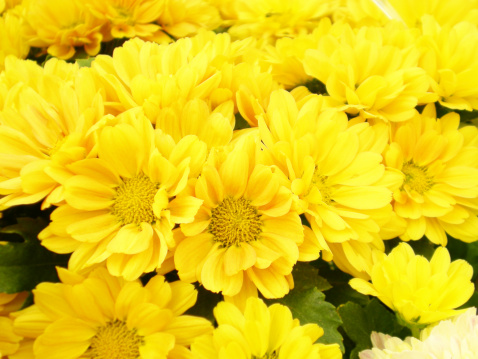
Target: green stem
{"type": "Point", "coordinates": [415, 331]}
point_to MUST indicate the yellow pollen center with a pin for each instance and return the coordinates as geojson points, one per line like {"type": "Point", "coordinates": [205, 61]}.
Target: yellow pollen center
{"type": "Point", "coordinates": [320, 181]}
{"type": "Point", "coordinates": [134, 200]}
{"type": "Point", "coordinates": [115, 341]}
{"type": "Point", "coordinates": [416, 178]}
{"type": "Point", "coordinates": [235, 221]}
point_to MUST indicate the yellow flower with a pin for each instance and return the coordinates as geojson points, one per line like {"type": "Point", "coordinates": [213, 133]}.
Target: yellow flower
{"type": "Point", "coordinates": [269, 20]}
{"type": "Point", "coordinates": [130, 18]}
{"type": "Point", "coordinates": [448, 55]}
{"type": "Point", "coordinates": [181, 18]}
{"type": "Point", "coordinates": [372, 71]}
{"type": "Point", "coordinates": [439, 165]}
{"type": "Point", "coordinates": [11, 38]}
{"type": "Point", "coordinates": [61, 26]}
{"type": "Point", "coordinates": [206, 67]}
{"type": "Point", "coordinates": [421, 292]}
{"type": "Point", "coordinates": [262, 332]}
{"type": "Point", "coordinates": [122, 206]}
{"type": "Point", "coordinates": [446, 12]}
{"type": "Point", "coordinates": [335, 172]}
{"type": "Point", "coordinates": [103, 317]}
{"type": "Point", "coordinates": [142, 72]}
{"type": "Point", "coordinates": [9, 341]}
{"type": "Point", "coordinates": [8, 4]}
{"type": "Point", "coordinates": [245, 235]}
{"type": "Point", "coordinates": [45, 123]}
{"type": "Point", "coordinates": [194, 117]}
{"type": "Point", "coordinates": [380, 12]}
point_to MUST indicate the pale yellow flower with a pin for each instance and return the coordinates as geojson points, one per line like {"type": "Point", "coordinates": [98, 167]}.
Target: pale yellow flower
{"type": "Point", "coordinates": [421, 292]}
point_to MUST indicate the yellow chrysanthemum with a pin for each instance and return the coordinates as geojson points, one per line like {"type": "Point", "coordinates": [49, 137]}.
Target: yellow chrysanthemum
{"type": "Point", "coordinates": [379, 12]}
{"type": "Point", "coordinates": [45, 120]}
{"type": "Point", "coordinates": [130, 18]}
{"type": "Point", "coordinates": [452, 338]}
{"type": "Point", "coordinates": [334, 170]}
{"type": "Point", "coordinates": [269, 20]}
{"type": "Point", "coordinates": [9, 341]}
{"type": "Point", "coordinates": [245, 235]}
{"type": "Point", "coordinates": [181, 18]}
{"type": "Point", "coordinates": [104, 317]}
{"type": "Point", "coordinates": [194, 117]}
{"type": "Point", "coordinates": [122, 206]}
{"type": "Point", "coordinates": [286, 56]}
{"type": "Point", "coordinates": [421, 292]}
{"type": "Point", "coordinates": [262, 332]}
{"type": "Point", "coordinates": [60, 26]}
{"type": "Point", "coordinates": [449, 57]}
{"type": "Point", "coordinates": [372, 71]}
{"type": "Point", "coordinates": [165, 79]}
{"type": "Point", "coordinates": [11, 39]}
{"type": "Point", "coordinates": [8, 4]}
{"type": "Point", "coordinates": [439, 165]}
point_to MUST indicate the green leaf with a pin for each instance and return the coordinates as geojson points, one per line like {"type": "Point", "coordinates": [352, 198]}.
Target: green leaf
{"type": "Point", "coordinates": [25, 264]}
{"type": "Point", "coordinates": [241, 123]}
{"type": "Point", "coordinates": [359, 322]}
{"type": "Point", "coordinates": [341, 292]}
{"type": "Point", "coordinates": [472, 258]}
{"type": "Point", "coordinates": [205, 304]}
{"type": "Point", "coordinates": [307, 276]}
{"type": "Point", "coordinates": [309, 306]}
{"type": "Point", "coordinates": [85, 62]}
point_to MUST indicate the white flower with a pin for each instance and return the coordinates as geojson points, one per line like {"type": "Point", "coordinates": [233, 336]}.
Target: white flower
{"type": "Point", "coordinates": [455, 338]}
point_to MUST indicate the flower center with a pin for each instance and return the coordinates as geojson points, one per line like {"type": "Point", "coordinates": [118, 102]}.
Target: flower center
{"type": "Point", "coordinates": [416, 178]}
{"type": "Point", "coordinates": [115, 341]}
{"type": "Point", "coordinates": [235, 221]}
{"type": "Point", "coordinates": [134, 200]}
{"type": "Point", "coordinates": [320, 181]}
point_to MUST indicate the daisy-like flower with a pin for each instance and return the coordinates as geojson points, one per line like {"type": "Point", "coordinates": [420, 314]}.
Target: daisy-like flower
{"type": "Point", "coordinates": [102, 317]}
{"type": "Point", "coordinates": [269, 20]}
{"type": "Point", "coordinates": [245, 235]}
{"type": "Point", "coordinates": [122, 206]}
{"type": "Point", "coordinates": [181, 18]}
{"type": "Point", "coordinates": [45, 120]}
{"type": "Point", "coordinates": [439, 165]}
{"type": "Point", "coordinates": [335, 172]}
{"type": "Point", "coordinates": [452, 338]}
{"type": "Point", "coordinates": [11, 39]}
{"type": "Point", "coordinates": [262, 332]}
{"type": "Point", "coordinates": [130, 18]}
{"type": "Point", "coordinates": [421, 292]}
{"type": "Point", "coordinates": [448, 55]}
{"type": "Point", "coordinates": [371, 72]}
{"type": "Point", "coordinates": [380, 12]}
{"type": "Point", "coordinates": [8, 4]}
{"type": "Point", "coordinates": [9, 341]}
{"type": "Point", "coordinates": [61, 26]}
{"type": "Point", "coordinates": [147, 74]}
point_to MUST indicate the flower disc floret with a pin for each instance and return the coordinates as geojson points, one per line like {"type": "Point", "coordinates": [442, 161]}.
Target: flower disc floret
{"type": "Point", "coordinates": [115, 340]}
{"type": "Point", "coordinates": [235, 221]}
{"type": "Point", "coordinates": [134, 199]}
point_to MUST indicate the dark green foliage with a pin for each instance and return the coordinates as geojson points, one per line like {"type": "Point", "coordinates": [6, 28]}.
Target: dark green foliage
{"type": "Point", "coordinates": [25, 264]}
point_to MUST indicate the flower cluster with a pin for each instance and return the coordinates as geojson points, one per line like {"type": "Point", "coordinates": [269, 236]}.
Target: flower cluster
{"type": "Point", "coordinates": [294, 131]}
